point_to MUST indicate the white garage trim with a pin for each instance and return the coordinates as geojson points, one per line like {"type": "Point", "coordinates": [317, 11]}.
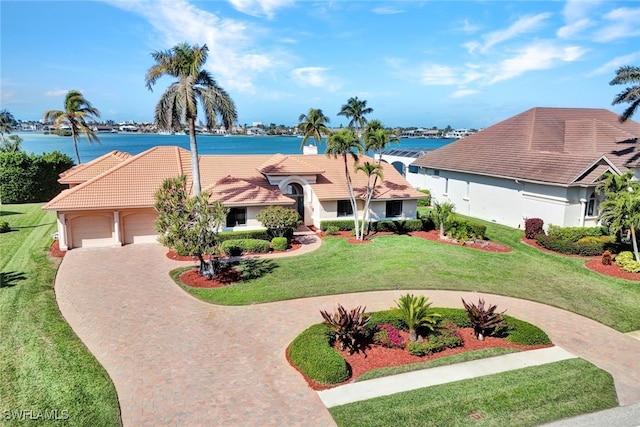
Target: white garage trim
{"type": "Point", "coordinates": [90, 230]}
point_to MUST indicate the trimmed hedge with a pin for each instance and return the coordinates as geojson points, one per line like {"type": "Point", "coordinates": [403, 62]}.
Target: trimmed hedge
{"type": "Point", "coordinates": [340, 224]}
{"type": "Point", "coordinates": [400, 226]}
{"type": "Point", "coordinates": [521, 332]}
{"type": "Point", "coordinates": [237, 247]}
{"type": "Point", "coordinates": [279, 243]}
{"type": "Point", "coordinates": [463, 229]}
{"type": "Point", "coordinates": [311, 353]}
{"type": "Point", "coordinates": [245, 234]}
{"type": "Point", "coordinates": [573, 234]}
{"type": "Point", "coordinates": [586, 246]}
{"type": "Point", "coordinates": [382, 317]}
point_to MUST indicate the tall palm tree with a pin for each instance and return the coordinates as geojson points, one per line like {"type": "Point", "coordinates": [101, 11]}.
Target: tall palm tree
{"type": "Point", "coordinates": [180, 101]}
{"type": "Point", "coordinates": [625, 75]}
{"type": "Point", "coordinates": [373, 171]}
{"type": "Point", "coordinates": [614, 183]}
{"type": "Point", "coordinates": [76, 110]}
{"type": "Point", "coordinates": [313, 125]}
{"type": "Point", "coordinates": [345, 143]}
{"type": "Point", "coordinates": [355, 109]}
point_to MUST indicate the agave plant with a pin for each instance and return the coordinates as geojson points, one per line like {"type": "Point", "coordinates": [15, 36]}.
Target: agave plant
{"type": "Point", "coordinates": [483, 318]}
{"type": "Point", "coordinates": [415, 312]}
{"type": "Point", "coordinates": [348, 326]}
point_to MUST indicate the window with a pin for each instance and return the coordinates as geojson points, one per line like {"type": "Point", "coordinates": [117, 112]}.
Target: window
{"type": "Point", "coordinates": [591, 205]}
{"type": "Point", "coordinates": [237, 216]}
{"type": "Point", "coordinates": [345, 208]}
{"type": "Point", "coordinates": [413, 169]}
{"type": "Point", "coordinates": [394, 208]}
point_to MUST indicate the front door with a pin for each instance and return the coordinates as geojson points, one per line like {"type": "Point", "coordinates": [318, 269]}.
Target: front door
{"type": "Point", "coordinates": [296, 193]}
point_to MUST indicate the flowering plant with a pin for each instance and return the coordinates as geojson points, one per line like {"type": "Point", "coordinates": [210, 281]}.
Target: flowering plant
{"type": "Point", "coordinates": [388, 336]}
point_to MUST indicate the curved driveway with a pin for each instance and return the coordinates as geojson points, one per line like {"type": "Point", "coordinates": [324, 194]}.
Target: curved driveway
{"type": "Point", "coordinates": [176, 360]}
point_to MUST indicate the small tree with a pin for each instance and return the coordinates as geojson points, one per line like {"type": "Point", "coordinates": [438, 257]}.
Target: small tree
{"type": "Point", "coordinates": [190, 225]}
{"type": "Point", "coordinates": [415, 312]}
{"type": "Point", "coordinates": [442, 214]}
{"type": "Point", "coordinates": [280, 221]}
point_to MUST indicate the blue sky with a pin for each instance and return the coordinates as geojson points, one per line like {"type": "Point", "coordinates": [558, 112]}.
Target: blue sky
{"type": "Point", "coordinates": [416, 63]}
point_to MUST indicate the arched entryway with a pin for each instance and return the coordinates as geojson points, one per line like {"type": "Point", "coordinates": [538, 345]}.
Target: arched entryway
{"type": "Point", "coordinates": [295, 191]}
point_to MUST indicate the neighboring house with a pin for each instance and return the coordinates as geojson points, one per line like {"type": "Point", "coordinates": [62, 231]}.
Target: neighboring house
{"type": "Point", "coordinates": [402, 158]}
{"type": "Point", "coordinates": [543, 163]}
{"type": "Point", "coordinates": [114, 206]}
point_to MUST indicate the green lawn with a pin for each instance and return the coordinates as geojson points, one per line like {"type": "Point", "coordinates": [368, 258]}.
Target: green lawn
{"type": "Point", "coordinates": [525, 397]}
{"type": "Point", "coordinates": [43, 365]}
{"type": "Point", "coordinates": [404, 262]}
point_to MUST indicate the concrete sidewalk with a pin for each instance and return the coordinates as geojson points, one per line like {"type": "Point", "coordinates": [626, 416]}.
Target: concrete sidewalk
{"type": "Point", "coordinates": [355, 392]}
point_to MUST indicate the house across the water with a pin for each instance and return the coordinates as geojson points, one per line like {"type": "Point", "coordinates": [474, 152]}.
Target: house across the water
{"type": "Point", "coordinates": [110, 199]}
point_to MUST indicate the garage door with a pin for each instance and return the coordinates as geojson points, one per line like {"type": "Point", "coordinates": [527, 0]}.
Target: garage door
{"type": "Point", "coordinates": [91, 231]}
{"type": "Point", "coordinates": [140, 228]}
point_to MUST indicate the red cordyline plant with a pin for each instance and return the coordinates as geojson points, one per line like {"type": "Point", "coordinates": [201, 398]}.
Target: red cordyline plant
{"type": "Point", "coordinates": [348, 326]}
{"type": "Point", "coordinates": [484, 319]}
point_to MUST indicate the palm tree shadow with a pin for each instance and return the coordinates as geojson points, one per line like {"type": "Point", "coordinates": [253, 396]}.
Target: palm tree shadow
{"type": "Point", "coordinates": [11, 278]}
{"type": "Point", "coordinates": [255, 268]}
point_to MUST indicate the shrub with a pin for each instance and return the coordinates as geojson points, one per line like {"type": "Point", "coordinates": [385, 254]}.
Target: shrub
{"type": "Point", "coordinates": [427, 200]}
{"type": "Point", "coordinates": [520, 332]}
{"type": "Point", "coordinates": [533, 227]}
{"type": "Point", "coordinates": [349, 326]}
{"type": "Point", "coordinates": [626, 261]}
{"type": "Point", "coordinates": [435, 344]}
{"type": "Point", "coordinates": [4, 227]}
{"type": "Point", "coordinates": [458, 316]}
{"type": "Point", "coordinates": [313, 355]}
{"type": "Point", "coordinates": [237, 247]}
{"type": "Point", "coordinates": [484, 319]}
{"type": "Point", "coordinates": [590, 246]}
{"type": "Point", "coordinates": [415, 313]}
{"type": "Point", "coordinates": [606, 258]}
{"type": "Point", "coordinates": [388, 336]}
{"type": "Point", "coordinates": [247, 234]}
{"type": "Point", "coordinates": [573, 234]}
{"type": "Point", "coordinates": [398, 226]}
{"type": "Point", "coordinates": [341, 224]}
{"type": "Point", "coordinates": [389, 317]}
{"type": "Point", "coordinates": [462, 229]}
{"type": "Point", "coordinates": [332, 230]}
{"type": "Point", "coordinates": [279, 220]}
{"type": "Point", "coordinates": [279, 243]}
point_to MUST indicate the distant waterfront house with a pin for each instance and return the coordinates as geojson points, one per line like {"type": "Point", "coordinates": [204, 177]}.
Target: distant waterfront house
{"type": "Point", "coordinates": [543, 163]}
{"type": "Point", "coordinates": [111, 199]}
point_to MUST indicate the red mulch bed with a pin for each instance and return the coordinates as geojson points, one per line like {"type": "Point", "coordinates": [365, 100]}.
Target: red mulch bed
{"type": "Point", "coordinates": [484, 245]}
{"type": "Point", "coordinates": [594, 264]}
{"type": "Point", "coordinates": [293, 245]}
{"type": "Point", "coordinates": [193, 279]}
{"type": "Point", "coordinates": [55, 251]}
{"type": "Point", "coordinates": [377, 356]}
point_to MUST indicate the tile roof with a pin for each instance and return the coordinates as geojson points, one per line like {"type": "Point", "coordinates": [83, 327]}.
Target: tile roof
{"type": "Point", "coordinates": [233, 178]}
{"type": "Point", "coordinates": [85, 171]}
{"type": "Point", "coordinates": [280, 164]}
{"type": "Point", "coordinates": [554, 145]}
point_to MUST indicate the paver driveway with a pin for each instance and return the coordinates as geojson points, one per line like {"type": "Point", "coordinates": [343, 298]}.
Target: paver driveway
{"type": "Point", "coordinates": [175, 360]}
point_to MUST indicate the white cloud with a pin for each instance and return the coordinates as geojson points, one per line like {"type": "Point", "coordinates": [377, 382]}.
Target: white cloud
{"type": "Point", "coordinates": [386, 10]}
{"type": "Point", "coordinates": [575, 28]}
{"type": "Point", "coordinates": [468, 27]}
{"type": "Point", "coordinates": [617, 62]}
{"type": "Point", "coordinates": [523, 25]}
{"type": "Point", "coordinates": [622, 23]}
{"type": "Point", "coordinates": [260, 7]}
{"type": "Point", "coordinates": [58, 92]}
{"type": "Point", "coordinates": [537, 56]}
{"type": "Point", "coordinates": [314, 76]}
{"type": "Point", "coordinates": [233, 60]}
{"type": "Point", "coordinates": [461, 93]}
{"type": "Point", "coordinates": [438, 75]}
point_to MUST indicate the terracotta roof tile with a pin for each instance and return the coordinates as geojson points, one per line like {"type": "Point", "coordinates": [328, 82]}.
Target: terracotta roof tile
{"type": "Point", "coordinates": [280, 164]}
{"type": "Point", "coordinates": [235, 179]}
{"type": "Point", "coordinates": [84, 172]}
{"type": "Point", "coordinates": [556, 145]}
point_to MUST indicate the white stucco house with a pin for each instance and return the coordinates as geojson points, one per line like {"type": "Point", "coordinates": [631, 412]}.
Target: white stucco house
{"type": "Point", "coordinates": [110, 200]}
{"type": "Point", "coordinates": [543, 163]}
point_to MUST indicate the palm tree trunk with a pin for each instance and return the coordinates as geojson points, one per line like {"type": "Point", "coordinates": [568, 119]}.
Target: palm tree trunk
{"type": "Point", "coordinates": [74, 135]}
{"type": "Point", "coordinates": [635, 242]}
{"type": "Point", "coordinates": [195, 167]}
{"type": "Point", "coordinates": [352, 197]}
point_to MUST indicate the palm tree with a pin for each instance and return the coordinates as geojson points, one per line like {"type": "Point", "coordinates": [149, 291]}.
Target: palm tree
{"type": "Point", "coordinates": [625, 75]}
{"type": "Point", "coordinates": [7, 122]}
{"type": "Point", "coordinates": [346, 143]}
{"type": "Point", "coordinates": [180, 101]}
{"type": "Point", "coordinates": [443, 213]}
{"type": "Point", "coordinates": [355, 110]}
{"type": "Point", "coordinates": [313, 125]}
{"type": "Point", "coordinates": [76, 110]}
{"type": "Point", "coordinates": [614, 183]}
{"type": "Point", "coordinates": [415, 312]}
{"type": "Point", "coordinates": [622, 211]}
